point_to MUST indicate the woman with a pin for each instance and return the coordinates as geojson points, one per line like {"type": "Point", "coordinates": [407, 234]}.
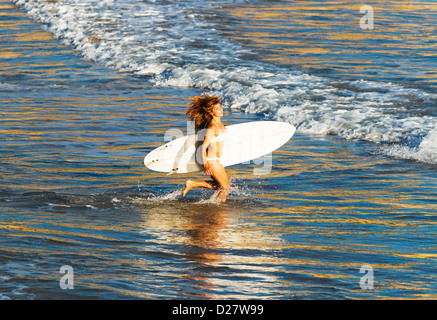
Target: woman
{"type": "Point", "coordinates": [206, 112]}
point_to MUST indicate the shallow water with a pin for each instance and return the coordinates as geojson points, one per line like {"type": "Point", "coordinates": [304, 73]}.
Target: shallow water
{"type": "Point", "coordinates": [75, 130]}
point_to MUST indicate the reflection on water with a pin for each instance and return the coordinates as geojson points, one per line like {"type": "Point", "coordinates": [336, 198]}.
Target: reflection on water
{"type": "Point", "coordinates": [229, 254]}
{"type": "Point", "coordinates": [287, 244]}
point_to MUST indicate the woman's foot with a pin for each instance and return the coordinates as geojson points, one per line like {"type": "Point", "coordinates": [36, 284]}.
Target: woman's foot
{"type": "Point", "coordinates": [188, 187]}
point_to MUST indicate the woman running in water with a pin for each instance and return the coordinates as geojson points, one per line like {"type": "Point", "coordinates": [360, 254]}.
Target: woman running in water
{"type": "Point", "coordinates": [206, 112]}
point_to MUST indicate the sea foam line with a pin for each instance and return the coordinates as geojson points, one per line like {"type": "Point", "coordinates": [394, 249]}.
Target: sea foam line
{"type": "Point", "coordinates": [136, 37]}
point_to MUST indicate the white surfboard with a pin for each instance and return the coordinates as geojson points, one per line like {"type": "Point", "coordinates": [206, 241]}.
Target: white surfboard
{"type": "Point", "coordinates": [242, 142]}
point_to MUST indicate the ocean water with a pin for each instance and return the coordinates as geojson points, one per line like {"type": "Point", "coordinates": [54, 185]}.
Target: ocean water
{"type": "Point", "coordinates": [88, 88]}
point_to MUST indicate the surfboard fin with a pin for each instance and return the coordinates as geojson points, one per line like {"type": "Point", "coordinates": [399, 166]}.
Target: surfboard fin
{"type": "Point", "coordinates": [173, 171]}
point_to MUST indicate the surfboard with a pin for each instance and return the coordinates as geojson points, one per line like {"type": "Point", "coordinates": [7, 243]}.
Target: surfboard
{"type": "Point", "coordinates": [242, 142]}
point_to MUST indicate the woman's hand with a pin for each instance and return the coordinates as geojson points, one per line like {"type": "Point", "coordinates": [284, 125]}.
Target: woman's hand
{"type": "Point", "coordinates": [207, 168]}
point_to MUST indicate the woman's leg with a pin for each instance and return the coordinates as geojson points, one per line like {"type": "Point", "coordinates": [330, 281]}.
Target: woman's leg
{"type": "Point", "coordinates": [190, 184]}
{"type": "Point", "coordinates": [221, 177]}
{"type": "Point", "coordinates": [221, 182]}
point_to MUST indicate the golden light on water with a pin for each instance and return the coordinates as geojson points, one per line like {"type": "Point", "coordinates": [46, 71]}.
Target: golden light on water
{"type": "Point", "coordinates": [336, 23]}
{"type": "Point", "coordinates": [319, 214]}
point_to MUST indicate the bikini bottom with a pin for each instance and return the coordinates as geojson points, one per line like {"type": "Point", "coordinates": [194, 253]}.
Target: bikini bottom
{"type": "Point", "coordinates": [213, 158]}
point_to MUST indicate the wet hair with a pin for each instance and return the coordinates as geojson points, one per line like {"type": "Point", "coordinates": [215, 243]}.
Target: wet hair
{"type": "Point", "coordinates": [200, 110]}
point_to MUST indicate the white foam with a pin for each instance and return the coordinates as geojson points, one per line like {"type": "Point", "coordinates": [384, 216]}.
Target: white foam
{"type": "Point", "coordinates": [58, 205]}
{"type": "Point", "coordinates": [9, 87]}
{"type": "Point", "coordinates": [426, 151]}
{"type": "Point", "coordinates": [172, 196]}
{"type": "Point", "coordinates": [214, 199]}
{"type": "Point", "coordinates": [176, 45]}
{"type": "Point", "coordinates": [389, 91]}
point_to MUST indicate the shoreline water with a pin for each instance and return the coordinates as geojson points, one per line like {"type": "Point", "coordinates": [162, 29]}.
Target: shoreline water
{"type": "Point", "coordinates": [74, 191]}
